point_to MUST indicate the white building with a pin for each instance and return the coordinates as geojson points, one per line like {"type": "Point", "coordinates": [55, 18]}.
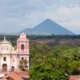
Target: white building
{"type": "Point", "coordinates": [9, 57]}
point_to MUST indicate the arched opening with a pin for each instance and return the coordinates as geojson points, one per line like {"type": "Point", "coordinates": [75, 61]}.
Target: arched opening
{"type": "Point", "coordinates": [12, 68]}
{"type": "Point", "coordinates": [22, 46]}
{"type": "Point", "coordinates": [4, 67]}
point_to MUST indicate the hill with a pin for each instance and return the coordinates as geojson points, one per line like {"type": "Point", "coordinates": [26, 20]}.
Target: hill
{"type": "Point", "coordinates": [48, 27]}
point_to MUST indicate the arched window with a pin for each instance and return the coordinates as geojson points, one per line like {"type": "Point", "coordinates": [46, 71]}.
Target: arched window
{"type": "Point", "coordinates": [22, 46]}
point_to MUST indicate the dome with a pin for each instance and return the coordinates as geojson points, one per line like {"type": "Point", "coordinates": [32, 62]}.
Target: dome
{"type": "Point", "coordinates": [5, 41]}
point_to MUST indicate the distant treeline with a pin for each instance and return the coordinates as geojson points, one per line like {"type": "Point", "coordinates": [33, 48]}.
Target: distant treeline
{"type": "Point", "coordinates": [35, 37]}
{"type": "Point", "coordinates": [13, 38]}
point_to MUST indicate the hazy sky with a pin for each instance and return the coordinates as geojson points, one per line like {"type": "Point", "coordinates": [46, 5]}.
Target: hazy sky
{"type": "Point", "coordinates": [16, 15]}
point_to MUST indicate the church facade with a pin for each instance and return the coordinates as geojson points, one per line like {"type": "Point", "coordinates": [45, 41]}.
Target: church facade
{"type": "Point", "coordinates": [10, 57]}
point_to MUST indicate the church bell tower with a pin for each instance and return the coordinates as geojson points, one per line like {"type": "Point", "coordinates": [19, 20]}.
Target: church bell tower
{"type": "Point", "coordinates": [23, 49]}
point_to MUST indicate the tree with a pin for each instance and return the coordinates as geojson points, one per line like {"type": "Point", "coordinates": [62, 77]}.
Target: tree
{"type": "Point", "coordinates": [22, 65]}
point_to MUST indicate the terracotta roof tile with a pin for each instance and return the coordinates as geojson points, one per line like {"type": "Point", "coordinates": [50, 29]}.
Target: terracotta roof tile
{"type": "Point", "coordinates": [22, 73]}
{"type": "Point", "coordinates": [13, 76]}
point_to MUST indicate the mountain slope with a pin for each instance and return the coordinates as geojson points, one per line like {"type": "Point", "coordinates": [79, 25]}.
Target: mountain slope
{"type": "Point", "coordinates": [47, 27]}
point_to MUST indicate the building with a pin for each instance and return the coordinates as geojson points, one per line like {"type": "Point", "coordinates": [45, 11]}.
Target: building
{"type": "Point", "coordinates": [74, 77]}
{"type": "Point", "coordinates": [10, 58]}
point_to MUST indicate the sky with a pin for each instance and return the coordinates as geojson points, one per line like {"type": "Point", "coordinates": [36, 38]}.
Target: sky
{"type": "Point", "coordinates": [16, 15]}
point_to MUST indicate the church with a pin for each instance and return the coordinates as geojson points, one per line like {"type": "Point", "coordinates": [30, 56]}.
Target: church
{"type": "Point", "coordinates": [10, 57]}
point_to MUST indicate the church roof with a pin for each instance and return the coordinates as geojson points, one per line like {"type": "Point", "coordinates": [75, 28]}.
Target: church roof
{"type": "Point", "coordinates": [5, 41]}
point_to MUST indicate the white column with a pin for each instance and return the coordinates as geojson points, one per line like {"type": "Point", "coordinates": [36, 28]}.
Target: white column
{"type": "Point", "coordinates": [8, 62]}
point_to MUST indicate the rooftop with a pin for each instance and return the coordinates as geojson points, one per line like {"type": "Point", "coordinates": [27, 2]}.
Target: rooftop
{"type": "Point", "coordinates": [18, 75]}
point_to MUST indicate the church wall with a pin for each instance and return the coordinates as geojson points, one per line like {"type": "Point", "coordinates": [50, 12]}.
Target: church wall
{"type": "Point", "coordinates": [14, 61]}
{"type": "Point", "coordinates": [5, 62]}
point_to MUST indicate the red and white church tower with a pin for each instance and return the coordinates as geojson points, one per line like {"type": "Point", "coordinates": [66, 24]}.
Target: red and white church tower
{"type": "Point", "coordinates": [23, 49]}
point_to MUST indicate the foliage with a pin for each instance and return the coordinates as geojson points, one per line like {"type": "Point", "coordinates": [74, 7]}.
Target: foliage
{"type": "Point", "coordinates": [22, 65]}
{"type": "Point", "coordinates": [53, 62]}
